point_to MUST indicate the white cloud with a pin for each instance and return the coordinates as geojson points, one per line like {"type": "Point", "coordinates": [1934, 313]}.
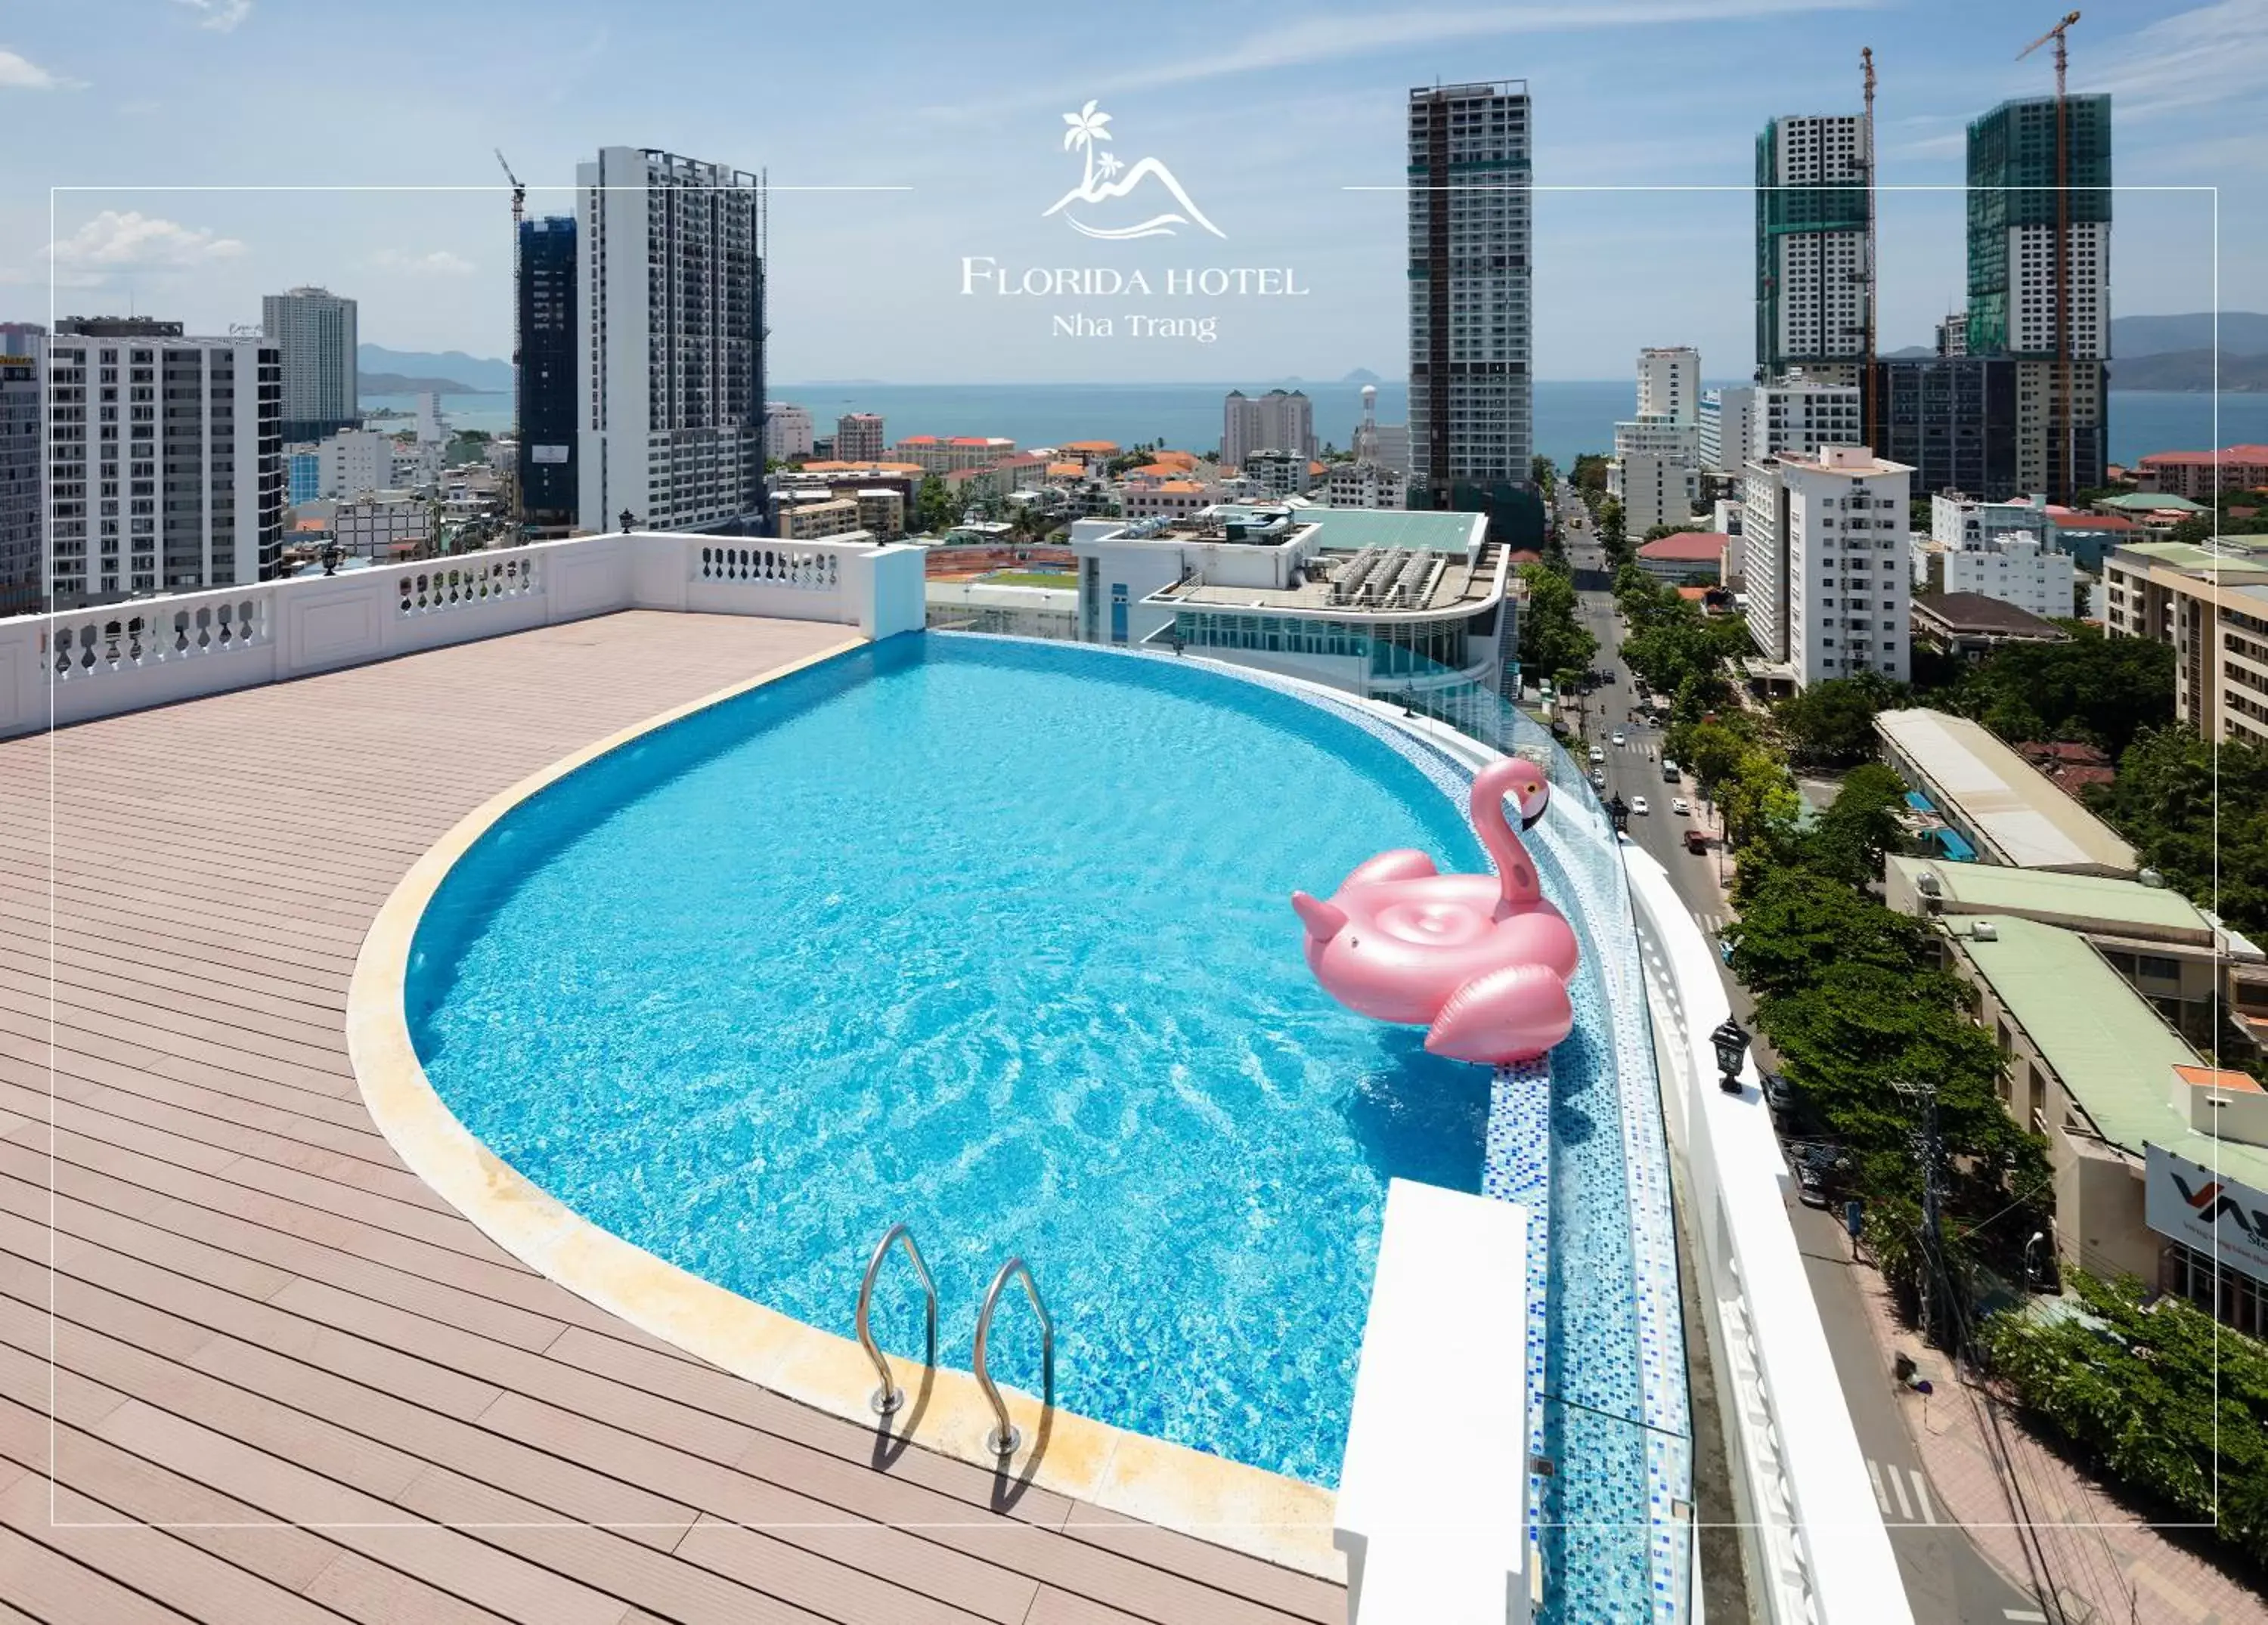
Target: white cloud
{"type": "Point", "coordinates": [21, 73]}
{"type": "Point", "coordinates": [2194, 59]}
{"type": "Point", "coordinates": [1325, 39]}
{"type": "Point", "coordinates": [131, 241]}
{"type": "Point", "coordinates": [220, 16]}
{"type": "Point", "coordinates": [440, 262]}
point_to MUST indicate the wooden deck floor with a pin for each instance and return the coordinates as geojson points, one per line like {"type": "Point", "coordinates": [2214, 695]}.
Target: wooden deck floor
{"type": "Point", "coordinates": [272, 1340]}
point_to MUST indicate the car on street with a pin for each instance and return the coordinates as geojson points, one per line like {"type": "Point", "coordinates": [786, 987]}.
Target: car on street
{"type": "Point", "coordinates": [1677, 804]}
{"type": "Point", "coordinates": [1638, 804]}
{"type": "Point", "coordinates": [1598, 754]}
{"type": "Point", "coordinates": [1619, 740]}
{"type": "Point", "coordinates": [1818, 1170]}
{"type": "Point", "coordinates": [1696, 842]}
{"type": "Point", "coordinates": [1598, 780]}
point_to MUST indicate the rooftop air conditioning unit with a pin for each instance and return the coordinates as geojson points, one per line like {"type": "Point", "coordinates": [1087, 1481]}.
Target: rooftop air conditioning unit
{"type": "Point", "coordinates": [1928, 885]}
{"type": "Point", "coordinates": [1984, 930]}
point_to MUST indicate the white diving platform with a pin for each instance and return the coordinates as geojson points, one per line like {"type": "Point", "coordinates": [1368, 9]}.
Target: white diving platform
{"type": "Point", "coordinates": [1432, 1512]}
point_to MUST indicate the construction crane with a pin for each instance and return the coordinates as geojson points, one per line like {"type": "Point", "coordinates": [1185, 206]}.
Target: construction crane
{"type": "Point", "coordinates": [1869, 414]}
{"type": "Point", "coordinates": [2062, 252]}
{"type": "Point", "coordinates": [518, 206]}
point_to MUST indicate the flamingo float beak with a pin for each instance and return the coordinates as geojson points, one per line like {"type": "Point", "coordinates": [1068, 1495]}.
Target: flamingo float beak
{"type": "Point", "coordinates": [1323, 921]}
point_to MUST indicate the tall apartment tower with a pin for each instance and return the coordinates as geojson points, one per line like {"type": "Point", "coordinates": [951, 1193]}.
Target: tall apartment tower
{"type": "Point", "coordinates": [1669, 383]}
{"type": "Point", "coordinates": [20, 467]}
{"type": "Point", "coordinates": [313, 329]}
{"type": "Point", "coordinates": [1281, 420]}
{"type": "Point", "coordinates": [166, 468]}
{"type": "Point", "coordinates": [859, 437]}
{"type": "Point", "coordinates": [1825, 549]}
{"type": "Point", "coordinates": [1812, 294]}
{"type": "Point", "coordinates": [2041, 296]}
{"type": "Point", "coordinates": [1471, 424]}
{"type": "Point", "coordinates": [670, 362]}
{"type": "Point", "coordinates": [545, 380]}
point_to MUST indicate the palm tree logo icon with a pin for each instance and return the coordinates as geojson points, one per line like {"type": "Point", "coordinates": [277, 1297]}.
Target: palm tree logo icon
{"type": "Point", "coordinates": [1099, 181]}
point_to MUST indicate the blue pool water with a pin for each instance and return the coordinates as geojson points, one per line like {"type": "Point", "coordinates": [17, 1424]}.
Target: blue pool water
{"type": "Point", "coordinates": [990, 937]}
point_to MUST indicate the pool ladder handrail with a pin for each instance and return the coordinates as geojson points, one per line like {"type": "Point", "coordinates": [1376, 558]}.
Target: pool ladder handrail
{"type": "Point", "coordinates": [1004, 1440]}
{"type": "Point", "coordinates": [889, 1396]}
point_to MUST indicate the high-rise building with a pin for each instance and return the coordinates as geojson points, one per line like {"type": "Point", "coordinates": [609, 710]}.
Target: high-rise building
{"type": "Point", "coordinates": [353, 463]}
{"type": "Point", "coordinates": [859, 437]}
{"type": "Point", "coordinates": [166, 459]}
{"type": "Point", "coordinates": [2041, 294]}
{"type": "Point", "coordinates": [1812, 294]}
{"type": "Point", "coordinates": [1471, 398]}
{"type": "Point", "coordinates": [1953, 419]}
{"type": "Point", "coordinates": [1827, 562]}
{"type": "Point", "coordinates": [1281, 420]}
{"type": "Point", "coordinates": [670, 362]}
{"type": "Point", "coordinates": [787, 430]}
{"type": "Point", "coordinates": [313, 329]}
{"type": "Point", "coordinates": [2003, 550]}
{"type": "Point", "coordinates": [20, 462]}
{"type": "Point", "coordinates": [1669, 383]}
{"type": "Point", "coordinates": [545, 378]}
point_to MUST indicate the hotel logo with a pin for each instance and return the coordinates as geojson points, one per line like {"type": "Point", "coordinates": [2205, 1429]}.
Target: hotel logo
{"type": "Point", "coordinates": [1101, 182]}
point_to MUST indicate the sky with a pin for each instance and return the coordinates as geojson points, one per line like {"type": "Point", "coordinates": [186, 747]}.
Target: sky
{"type": "Point", "coordinates": [180, 158]}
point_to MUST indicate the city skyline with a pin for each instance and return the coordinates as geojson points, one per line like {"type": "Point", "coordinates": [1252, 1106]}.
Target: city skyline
{"type": "Point", "coordinates": [868, 282]}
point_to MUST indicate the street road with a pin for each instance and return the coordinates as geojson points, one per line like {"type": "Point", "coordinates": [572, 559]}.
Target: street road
{"type": "Point", "coordinates": [1949, 1581]}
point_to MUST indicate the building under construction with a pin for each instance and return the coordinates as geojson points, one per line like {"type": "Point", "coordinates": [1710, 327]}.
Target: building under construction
{"type": "Point", "coordinates": [2039, 278]}
{"type": "Point", "coordinates": [1813, 292]}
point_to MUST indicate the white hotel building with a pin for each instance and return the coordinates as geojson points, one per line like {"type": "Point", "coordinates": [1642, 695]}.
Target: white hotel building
{"type": "Point", "coordinates": [671, 363]}
{"type": "Point", "coordinates": [1825, 546]}
{"type": "Point", "coordinates": [2004, 550]}
{"type": "Point", "coordinates": [166, 468]}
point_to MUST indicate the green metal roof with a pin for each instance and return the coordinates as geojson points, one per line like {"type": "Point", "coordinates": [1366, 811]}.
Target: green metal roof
{"type": "Point", "coordinates": [1988, 888]}
{"type": "Point", "coordinates": [2104, 1040]}
{"type": "Point", "coordinates": [2152, 502]}
{"type": "Point", "coordinates": [2189, 555]}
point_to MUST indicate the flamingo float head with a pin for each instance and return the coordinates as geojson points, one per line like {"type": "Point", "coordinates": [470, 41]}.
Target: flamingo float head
{"type": "Point", "coordinates": [1516, 776]}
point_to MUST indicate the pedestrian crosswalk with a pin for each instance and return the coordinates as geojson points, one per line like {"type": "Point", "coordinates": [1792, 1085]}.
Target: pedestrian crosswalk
{"type": "Point", "coordinates": [1901, 1493]}
{"type": "Point", "coordinates": [1710, 922]}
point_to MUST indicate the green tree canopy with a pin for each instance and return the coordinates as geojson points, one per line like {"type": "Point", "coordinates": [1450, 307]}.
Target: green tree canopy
{"type": "Point", "coordinates": [1832, 722]}
{"type": "Point", "coordinates": [1796, 924]}
{"type": "Point", "coordinates": [1552, 639]}
{"type": "Point", "coordinates": [2098, 689]}
{"type": "Point", "coordinates": [2198, 815]}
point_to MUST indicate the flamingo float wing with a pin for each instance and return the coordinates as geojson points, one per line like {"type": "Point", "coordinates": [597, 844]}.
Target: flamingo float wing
{"type": "Point", "coordinates": [1401, 863]}
{"type": "Point", "coordinates": [1515, 1013]}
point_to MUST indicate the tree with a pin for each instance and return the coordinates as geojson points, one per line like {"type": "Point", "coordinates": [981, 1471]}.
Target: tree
{"type": "Point", "coordinates": [1831, 723]}
{"type": "Point", "coordinates": [935, 507]}
{"type": "Point", "coordinates": [1552, 639]}
{"type": "Point", "coordinates": [1590, 474]}
{"type": "Point", "coordinates": [1610, 531]}
{"type": "Point", "coordinates": [2198, 815]}
{"type": "Point", "coordinates": [2092, 687]}
{"type": "Point", "coordinates": [1862, 824]}
{"type": "Point", "coordinates": [2155, 1393]}
{"type": "Point", "coordinates": [1796, 924]}
{"type": "Point", "coordinates": [1546, 476]}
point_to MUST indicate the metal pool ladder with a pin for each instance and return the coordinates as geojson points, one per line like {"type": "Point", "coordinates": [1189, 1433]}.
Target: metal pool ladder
{"type": "Point", "coordinates": [1004, 1440]}
{"type": "Point", "coordinates": [889, 1396]}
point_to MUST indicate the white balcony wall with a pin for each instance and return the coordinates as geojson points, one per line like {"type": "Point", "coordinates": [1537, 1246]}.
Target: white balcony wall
{"type": "Point", "coordinates": [1823, 1556]}
{"type": "Point", "coordinates": [56, 669]}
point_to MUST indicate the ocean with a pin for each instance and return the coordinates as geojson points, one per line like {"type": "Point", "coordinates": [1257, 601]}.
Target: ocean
{"type": "Point", "coordinates": [1572, 415]}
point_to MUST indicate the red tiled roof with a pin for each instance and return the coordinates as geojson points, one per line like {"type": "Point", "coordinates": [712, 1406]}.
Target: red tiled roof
{"type": "Point", "coordinates": [1686, 548]}
{"type": "Point", "coordinates": [2231, 454]}
{"type": "Point", "coordinates": [2069, 521]}
{"type": "Point", "coordinates": [1696, 594]}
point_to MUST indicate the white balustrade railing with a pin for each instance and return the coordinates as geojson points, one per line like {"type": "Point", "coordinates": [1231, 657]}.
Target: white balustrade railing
{"type": "Point", "coordinates": [1823, 1556]}
{"type": "Point", "coordinates": [71, 666]}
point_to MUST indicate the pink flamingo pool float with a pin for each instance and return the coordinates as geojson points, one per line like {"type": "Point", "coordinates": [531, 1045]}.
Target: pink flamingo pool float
{"type": "Point", "coordinates": [1481, 960]}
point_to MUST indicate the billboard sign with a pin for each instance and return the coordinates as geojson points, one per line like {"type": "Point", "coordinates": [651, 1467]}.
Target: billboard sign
{"type": "Point", "coordinates": [2209, 1213]}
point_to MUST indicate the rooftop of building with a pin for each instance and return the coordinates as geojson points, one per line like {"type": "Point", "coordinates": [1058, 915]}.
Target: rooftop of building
{"type": "Point", "coordinates": [2065, 519]}
{"type": "Point", "coordinates": [2113, 1051]}
{"type": "Point", "coordinates": [1856, 462]}
{"type": "Point", "coordinates": [1974, 614]}
{"type": "Point", "coordinates": [2231, 554]}
{"type": "Point", "coordinates": [2151, 502]}
{"type": "Point", "coordinates": [1686, 546]}
{"type": "Point", "coordinates": [2077, 902]}
{"type": "Point", "coordinates": [2227, 454]}
{"type": "Point", "coordinates": [1995, 791]}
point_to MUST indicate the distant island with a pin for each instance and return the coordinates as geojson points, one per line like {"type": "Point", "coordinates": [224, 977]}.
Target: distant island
{"type": "Point", "coordinates": [396, 384]}
{"type": "Point", "coordinates": [2190, 372]}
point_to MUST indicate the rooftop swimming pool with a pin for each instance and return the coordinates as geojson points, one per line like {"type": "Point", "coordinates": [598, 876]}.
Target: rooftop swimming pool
{"type": "Point", "coordinates": [990, 936]}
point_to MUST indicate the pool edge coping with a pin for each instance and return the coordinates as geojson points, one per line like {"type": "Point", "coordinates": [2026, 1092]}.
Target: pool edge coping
{"type": "Point", "coordinates": [1249, 1510]}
